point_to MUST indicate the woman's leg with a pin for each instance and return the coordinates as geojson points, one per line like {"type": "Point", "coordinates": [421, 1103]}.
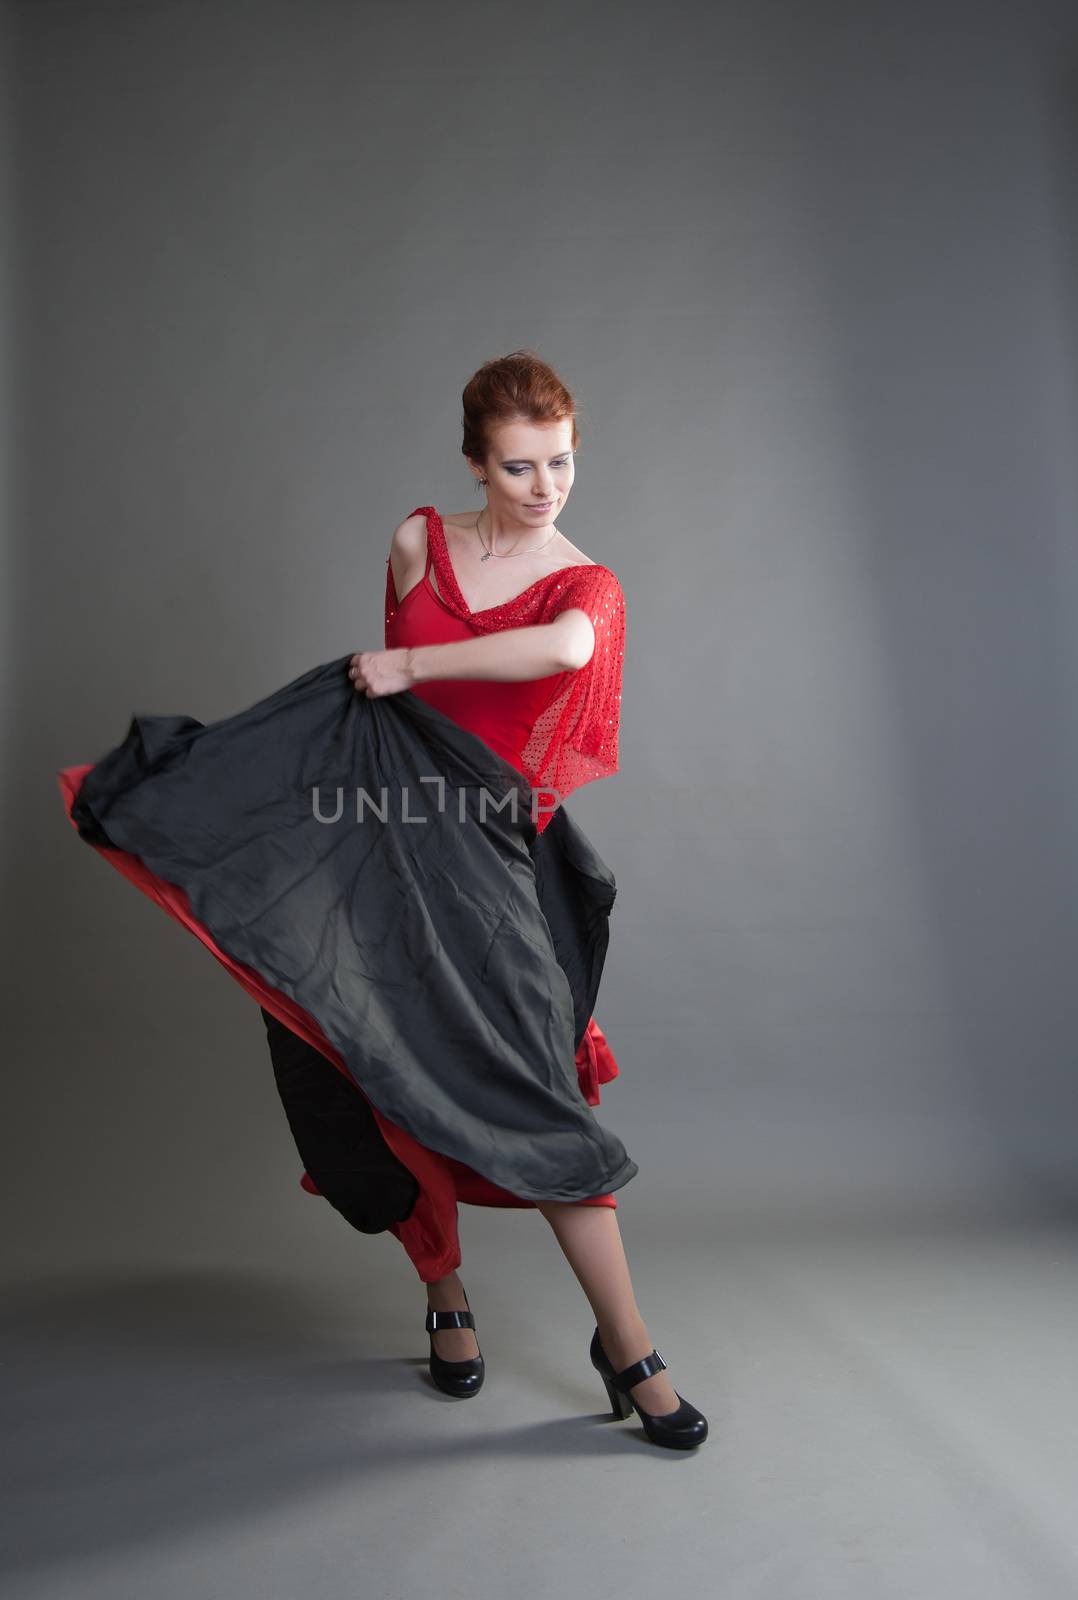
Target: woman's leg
{"type": "Point", "coordinates": [452, 1344]}
{"type": "Point", "coordinates": [342, 1148]}
{"type": "Point", "coordinates": [591, 1240]}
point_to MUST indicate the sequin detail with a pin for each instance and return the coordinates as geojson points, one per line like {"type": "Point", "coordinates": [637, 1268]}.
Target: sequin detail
{"type": "Point", "coordinates": [574, 740]}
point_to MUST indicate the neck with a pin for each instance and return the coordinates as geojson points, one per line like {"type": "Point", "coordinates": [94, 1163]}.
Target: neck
{"type": "Point", "coordinates": [513, 534]}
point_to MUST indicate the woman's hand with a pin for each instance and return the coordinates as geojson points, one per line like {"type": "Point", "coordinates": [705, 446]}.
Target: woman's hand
{"type": "Point", "coordinates": [378, 672]}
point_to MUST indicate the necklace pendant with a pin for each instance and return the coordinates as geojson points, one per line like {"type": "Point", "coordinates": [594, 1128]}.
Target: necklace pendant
{"type": "Point", "coordinates": [485, 556]}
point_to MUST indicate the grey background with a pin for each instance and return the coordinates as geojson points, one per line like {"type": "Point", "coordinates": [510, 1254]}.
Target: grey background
{"type": "Point", "coordinates": [811, 276]}
{"type": "Point", "coordinates": [811, 273]}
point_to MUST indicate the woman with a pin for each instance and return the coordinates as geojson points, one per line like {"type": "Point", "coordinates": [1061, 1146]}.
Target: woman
{"type": "Point", "coordinates": [426, 979]}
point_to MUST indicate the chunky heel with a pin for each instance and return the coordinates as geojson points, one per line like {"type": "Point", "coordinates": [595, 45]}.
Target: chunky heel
{"type": "Point", "coordinates": [680, 1429]}
{"type": "Point", "coordinates": [458, 1378]}
{"type": "Point", "coordinates": [620, 1404]}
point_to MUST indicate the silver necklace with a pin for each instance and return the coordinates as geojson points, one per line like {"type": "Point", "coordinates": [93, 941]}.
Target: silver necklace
{"type": "Point", "coordinates": [505, 557]}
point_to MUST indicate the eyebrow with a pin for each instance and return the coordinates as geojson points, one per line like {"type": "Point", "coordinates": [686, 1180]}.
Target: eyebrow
{"type": "Point", "coordinates": [526, 461]}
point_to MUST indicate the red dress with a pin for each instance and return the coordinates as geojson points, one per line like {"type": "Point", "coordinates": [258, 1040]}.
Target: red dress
{"type": "Point", "coordinates": [504, 715]}
{"type": "Point", "coordinates": [550, 730]}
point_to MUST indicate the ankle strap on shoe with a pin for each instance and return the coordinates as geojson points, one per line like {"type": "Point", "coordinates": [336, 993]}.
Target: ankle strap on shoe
{"type": "Point", "coordinates": [646, 1367]}
{"type": "Point", "coordinates": [449, 1319]}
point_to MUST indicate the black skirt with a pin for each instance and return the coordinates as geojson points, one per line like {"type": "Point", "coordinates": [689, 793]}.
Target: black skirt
{"type": "Point", "coordinates": [379, 865]}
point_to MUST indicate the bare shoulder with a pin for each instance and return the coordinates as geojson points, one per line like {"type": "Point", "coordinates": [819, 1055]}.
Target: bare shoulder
{"type": "Point", "coordinates": [577, 557]}
{"type": "Point", "coordinates": [410, 538]}
{"type": "Point", "coordinates": [572, 556]}
{"type": "Point", "coordinates": [408, 553]}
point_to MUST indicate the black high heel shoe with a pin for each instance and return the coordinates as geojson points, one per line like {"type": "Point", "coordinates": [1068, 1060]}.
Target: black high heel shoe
{"type": "Point", "coordinates": [679, 1429]}
{"type": "Point", "coordinates": [455, 1377]}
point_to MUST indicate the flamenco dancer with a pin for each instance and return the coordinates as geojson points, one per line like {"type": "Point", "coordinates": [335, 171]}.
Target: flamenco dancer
{"type": "Point", "coordinates": [379, 853]}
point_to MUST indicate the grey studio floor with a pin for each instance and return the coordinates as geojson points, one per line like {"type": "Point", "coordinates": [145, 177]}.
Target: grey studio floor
{"type": "Point", "coordinates": [891, 1407]}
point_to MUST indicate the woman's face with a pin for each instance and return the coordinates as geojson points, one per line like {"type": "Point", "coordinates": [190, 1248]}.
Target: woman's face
{"type": "Point", "coordinates": [529, 472]}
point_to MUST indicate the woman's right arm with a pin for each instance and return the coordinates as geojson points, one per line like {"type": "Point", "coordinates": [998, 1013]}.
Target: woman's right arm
{"type": "Point", "coordinates": [512, 654]}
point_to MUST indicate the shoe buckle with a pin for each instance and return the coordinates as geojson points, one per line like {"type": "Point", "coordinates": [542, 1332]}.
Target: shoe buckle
{"type": "Point", "coordinates": [448, 1319]}
{"type": "Point", "coordinates": [646, 1367]}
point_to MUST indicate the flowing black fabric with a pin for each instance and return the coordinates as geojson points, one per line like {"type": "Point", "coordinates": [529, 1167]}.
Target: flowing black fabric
{"type": "Point", "coordinates": [449, 951]}
{"type": "Point", "coordinates": [337, 1135]}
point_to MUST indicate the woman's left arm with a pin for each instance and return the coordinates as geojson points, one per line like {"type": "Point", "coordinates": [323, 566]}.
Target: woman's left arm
{"type": "Point", "coordinates": [512, 655]}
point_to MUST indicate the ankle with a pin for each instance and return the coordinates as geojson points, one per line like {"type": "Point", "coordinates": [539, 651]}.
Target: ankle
{"type": "Point", "coordinates": [446, 1294]}
{"type": "Point", "coordinates": [625, 1328]}
{"type": "Point", "coordinates": [625, 1341]}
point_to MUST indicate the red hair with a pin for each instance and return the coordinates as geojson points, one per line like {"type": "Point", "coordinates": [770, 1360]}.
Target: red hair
{"type": "Point", "coordinates": [519, 387]}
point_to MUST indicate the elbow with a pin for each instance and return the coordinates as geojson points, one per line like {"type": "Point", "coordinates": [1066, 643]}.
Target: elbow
{"type": "Point", "coordinates": [572, 660]}
{"type": "Point", "coordinates": [576, 640]}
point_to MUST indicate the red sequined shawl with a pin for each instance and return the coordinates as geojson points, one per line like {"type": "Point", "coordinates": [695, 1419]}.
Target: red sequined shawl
{"type": "Point", "coordinates": [575, 738]}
